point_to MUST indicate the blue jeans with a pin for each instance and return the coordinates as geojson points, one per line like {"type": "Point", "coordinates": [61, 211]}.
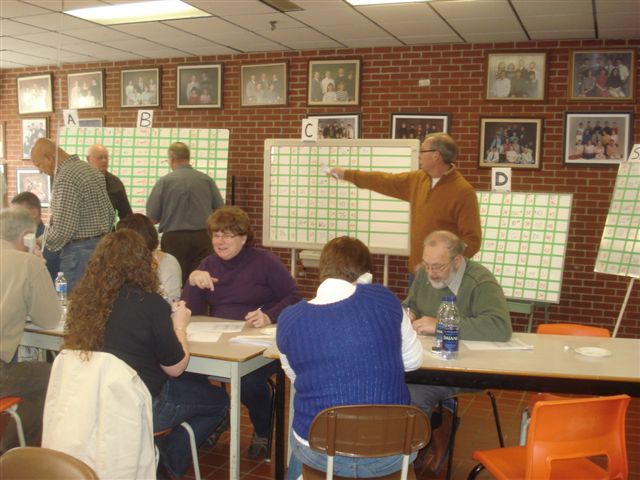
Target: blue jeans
{"type": "Point", "coordinates": [426, 397]}
{"type": "Point", "coordinates": [190, 398]}
{"type": "Point", "coordinates": [74, 258]}
{"type": "Point", "coordinates": [344, 466]}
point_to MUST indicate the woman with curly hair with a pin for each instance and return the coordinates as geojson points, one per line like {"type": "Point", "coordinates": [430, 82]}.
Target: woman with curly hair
{"type": "Point", "coordinates": [116, 308]}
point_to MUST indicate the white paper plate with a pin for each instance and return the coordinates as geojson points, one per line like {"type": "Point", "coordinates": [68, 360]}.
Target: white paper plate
{"type": "Point", "coordinates": [593, 351]}
{"type": "Point", "coordinates": [270, 331]}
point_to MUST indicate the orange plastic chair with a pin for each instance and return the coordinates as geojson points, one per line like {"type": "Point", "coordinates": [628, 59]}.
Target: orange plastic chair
{"type": "Point", "coordinates": [368, 431]}
{"type": "Point", "coordinates": [9, 405]}
{"type": "Point", "coordinates": [563, 434]}
{"type": "Point", "coordinates": [571, 329]}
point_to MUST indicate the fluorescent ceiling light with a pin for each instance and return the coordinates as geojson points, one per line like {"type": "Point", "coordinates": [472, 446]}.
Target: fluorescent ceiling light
{"type": "Point", "coordinates": [383, 2]}
{"type": "Point", "coordinates": [138, 12]}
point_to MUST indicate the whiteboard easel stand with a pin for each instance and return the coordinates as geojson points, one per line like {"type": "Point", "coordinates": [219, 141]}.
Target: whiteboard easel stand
{"type": "Point", "coordinates": [624, 307]}
{"type": "Point", "coordinates": [385, 271]}
{"type": "Point", "coordinates": [294, 261]}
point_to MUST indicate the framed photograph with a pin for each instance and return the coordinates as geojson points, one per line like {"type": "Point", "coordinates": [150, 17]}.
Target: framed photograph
{"type": "Point", "coordinates": [334, 82]}
{"type": "Point", "coordinates": [264, 84]}
{"type": "Point", "coordinates": [338, 126]}
{"type": "Point", "coordinates": [86, 90]}
{"type": "Point", "coordinates": [510, 142]}
{"type": "Point", "coordinates": [516, 75]}
{"type": "Point", "coordinates": [597, 75]}
{"type": "Point", "coordinates": [592, 138]}
{"type": "Point", "coordinates": [92, 122]}
{"type": "Point", "coordinates": [35, 94]}
{"type": "Point", "coordinates": [418, 125]}
{"type": "Point", "coordinates": [199, 86]}
{"type": "Point", "coordinates": [2, 148]}
{"type": "Point", "coordinates": [32, 130]}
{"type": "Point", "coordinates": [140, 88]}
{"type": "Point", "coordinates": [31, 180]}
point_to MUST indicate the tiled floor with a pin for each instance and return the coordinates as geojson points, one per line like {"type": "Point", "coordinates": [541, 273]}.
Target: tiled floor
{"type": "Point", "coordinates": [477, 431]}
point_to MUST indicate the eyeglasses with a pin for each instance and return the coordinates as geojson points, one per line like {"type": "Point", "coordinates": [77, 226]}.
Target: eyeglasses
{"type": "Point", "coordinates": [429, 150]}
{"type": "Point", "coordinates": [223, 236]}
{"type": "Point", "coordinates": [435, 268]}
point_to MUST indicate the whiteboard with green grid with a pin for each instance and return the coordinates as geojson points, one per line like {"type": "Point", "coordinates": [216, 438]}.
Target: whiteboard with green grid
{"type": "Point", "coordinates": [304, 208]}
{"type": "Point", "coordinates": [138, 156]}
{"type": "Point", "coordinates": [524, 240]}
{"type": "Point", "coordinates": [619, 252]}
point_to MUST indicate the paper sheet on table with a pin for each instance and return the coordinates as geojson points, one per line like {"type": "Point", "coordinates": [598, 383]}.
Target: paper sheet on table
{"type": "Point", "coordinates": [261, 340]}
{"type": "Point", "coordinates": [514, 344]}
{"type": "Point", "coordinates": [211, 331]}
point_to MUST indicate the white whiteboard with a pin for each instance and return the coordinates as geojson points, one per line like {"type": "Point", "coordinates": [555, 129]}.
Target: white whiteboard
{"type": "Point", "coordinates": [524, 241]}
{"type": "Point", "coordinates": [303, 208]}
{"type": "Point", "coordinates": [619, 252]}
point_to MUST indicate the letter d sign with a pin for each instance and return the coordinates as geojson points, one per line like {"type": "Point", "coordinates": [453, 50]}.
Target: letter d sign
{"type": "Point", "coordinates": [501, 179]}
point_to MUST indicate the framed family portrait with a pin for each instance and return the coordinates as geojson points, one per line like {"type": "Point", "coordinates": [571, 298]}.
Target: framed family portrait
{"type": "Point", "coordinates": [140, 88]}
{"type": "Point", "coordinates": [516, 75]}
{"type": "Point", "coordinates": [418, 125]}
{"type": "Point", "coordinates": [510, 142]}
{"type": "Point", "coordinates": [199, 86]}
{"type": "Point", "coordinates": [334, 82]}
{"type": "Point", "coordinates": [264, 84]}
{"type": "Point", "coordinates": [91, 122]}
{"type": "Point", "coordinates": [345, 126]}
{"type": "Point", "coordinates": [597, 138]}
{"type": "Point", "coordinates": [86, 90]}
{"type": "Point", "coordinates": [597, 75]}
{"type": "Point", "coordinates": [35, 94]}
{"type": "Point", "coordinates": [31, 180]}
{"type": "Point", "coordinates": [32, 130]}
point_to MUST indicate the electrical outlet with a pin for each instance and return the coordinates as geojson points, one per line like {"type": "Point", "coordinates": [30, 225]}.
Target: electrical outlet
{"type": "Point", "coordinates": [424, 82]}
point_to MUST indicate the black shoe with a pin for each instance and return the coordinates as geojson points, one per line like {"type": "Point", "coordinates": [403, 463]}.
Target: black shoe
{"type": "Point", "coordinates": [222, 427]}
{"type": "Point", "coordinates": [258, 447]}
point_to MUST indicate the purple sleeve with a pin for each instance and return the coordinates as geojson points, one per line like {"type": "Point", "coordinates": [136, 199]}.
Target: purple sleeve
{"type": "Point", "coordinates": [283, 285]}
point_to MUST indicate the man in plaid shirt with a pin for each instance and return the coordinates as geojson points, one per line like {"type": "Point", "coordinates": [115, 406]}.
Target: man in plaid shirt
{"type": "Point", "coordinates": [81, 212]}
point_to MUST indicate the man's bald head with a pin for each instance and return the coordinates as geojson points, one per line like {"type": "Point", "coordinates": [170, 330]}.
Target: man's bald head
{"type": "Point", "coordinates": [98, 157]}
{"type": "Point", "coordinates": [43, 155]}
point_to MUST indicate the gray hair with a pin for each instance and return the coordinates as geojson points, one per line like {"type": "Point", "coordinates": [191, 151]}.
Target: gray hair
{"type": "Point", "coordinates": [14, 222]}
{"type": "Point", "coordinates": [445, 144]}
{"type": "Point", "coordinates": [455, 245]}
{"type": "Point", "coordinates": [179, 151]}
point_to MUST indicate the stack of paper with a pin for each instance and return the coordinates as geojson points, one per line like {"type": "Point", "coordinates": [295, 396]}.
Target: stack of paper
{"type": "Point", "coordinates": [261, 340]}
{"type": "Point", "coordinates": [514, 344]}
{"type": "Point", "coordinates": [211, 331]}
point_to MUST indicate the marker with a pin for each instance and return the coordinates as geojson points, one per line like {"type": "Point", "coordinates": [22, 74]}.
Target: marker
{"type": "Point", "coordinates": [328, 171]}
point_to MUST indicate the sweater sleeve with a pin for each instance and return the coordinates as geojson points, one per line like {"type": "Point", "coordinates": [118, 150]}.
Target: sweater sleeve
{"type": "Point", "coordinates": [283, 286]}
{"type": "Point", "coordinates": [469, 223]}
{"type": "Point", "coordinates": [396, 185]}
{"type": "Point", "coordinates": [196, 298]}
{"type": "Point", "coordinates": [489, 319]}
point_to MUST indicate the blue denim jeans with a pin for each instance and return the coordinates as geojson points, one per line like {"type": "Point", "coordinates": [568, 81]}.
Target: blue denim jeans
{"type": "Point", "coordinates": [74, 258]}
{"type": "Point", "coordinates": [344, 466]}
{"type": "Point", "coordinates": [190, 398]}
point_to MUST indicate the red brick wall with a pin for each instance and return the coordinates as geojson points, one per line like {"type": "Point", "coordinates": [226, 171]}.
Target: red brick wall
{"type": "Point", "coordinates": [389, 85]}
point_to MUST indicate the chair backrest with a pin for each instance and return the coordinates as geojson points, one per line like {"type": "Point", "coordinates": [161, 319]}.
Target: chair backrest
{"type": "Point", "coordinates": [572, 329]}
{"type": "Point", "coordinates": [369, 430]}
{"type": "Point", "coordinates": [577, 428]}
{"type": "Point", "coordinates": [27, 463]}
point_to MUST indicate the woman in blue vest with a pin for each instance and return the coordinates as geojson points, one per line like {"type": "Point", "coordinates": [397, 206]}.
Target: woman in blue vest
{"type": "Point", "coordinates": [350, 345]}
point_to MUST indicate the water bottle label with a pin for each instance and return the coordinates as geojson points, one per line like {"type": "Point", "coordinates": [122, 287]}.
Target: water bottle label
{"type": "Point", "coordinates": [450, 335]}
{"type": "Point", "coordinates": [61, 287]}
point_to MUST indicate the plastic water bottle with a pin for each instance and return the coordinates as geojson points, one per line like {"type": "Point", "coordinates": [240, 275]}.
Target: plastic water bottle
{"type": "Point", "coordinates": [61, 289]}
{"type": "Point", "coordinates": [450, 328]}
{"type": "Point", "coordinates": [437, 346]}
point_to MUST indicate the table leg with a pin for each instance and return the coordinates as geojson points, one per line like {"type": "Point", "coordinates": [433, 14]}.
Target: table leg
{"type": "Point", "coordinates": [234, 417]}
{"type": "Point", "coordinates": [280, 379]}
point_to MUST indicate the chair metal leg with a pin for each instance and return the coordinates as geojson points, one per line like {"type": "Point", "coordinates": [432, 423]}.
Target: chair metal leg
{"type": "Point", "coordinates": [194, 449]}
{"type": "Point", "coordinates": [497, 418]}
{"type": "Point", "coordinates": [455, 421]}
{"type": "Point", "coordinates": [476, 470]}
{"type": "Point", "coordinates": [267, 457]}
{"type": "Point", "coordinates": [524, 427]}
{"type": "Point", "coordinates": [13, 411]}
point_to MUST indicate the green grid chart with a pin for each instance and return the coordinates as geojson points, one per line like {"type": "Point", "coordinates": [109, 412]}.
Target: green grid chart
{"type": "Point", "coordinates": [524, 240]}
{"type": "Point", "coordinates": [619, 252]}
{"type": "Point", "coordinates": [304, 208]}
{"type": "Point", "coordinates": [138, 156]}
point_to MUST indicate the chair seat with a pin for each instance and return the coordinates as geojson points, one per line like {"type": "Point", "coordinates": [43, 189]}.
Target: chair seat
{"type": "Point", "coordinates": [509, 464]}
{"type": "Point", "coordinates": [309, 473]}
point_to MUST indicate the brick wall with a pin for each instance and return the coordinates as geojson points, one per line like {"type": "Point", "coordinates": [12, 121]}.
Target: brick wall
{"type": "Point", "coordinates": [389, 85]}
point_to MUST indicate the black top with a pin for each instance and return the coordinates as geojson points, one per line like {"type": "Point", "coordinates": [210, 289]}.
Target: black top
{"type": "Point", "coordinates": [117, 195]}
{"type": "Point", "coordinates": [140, 332]}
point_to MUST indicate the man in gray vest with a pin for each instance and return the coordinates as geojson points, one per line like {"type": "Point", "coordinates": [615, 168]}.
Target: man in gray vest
{"type": "Point", "coordinates": [181, 201]}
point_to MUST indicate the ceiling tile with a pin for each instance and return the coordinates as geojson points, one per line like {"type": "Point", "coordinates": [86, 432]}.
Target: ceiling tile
{"type": "Point", "coordinates": [15, 8]}
{"type": "Point", "coordinates": [326, 12]}
{"type": "Point", "coordinates": [212, 49]}
{"type": "Point", "coordinates": [633, 32]}
{"type": "Point", "coordinates": [231, 7]}
{"type": "Point", "coordinates": [6, 64]}
{"type": "Point", "coordinates": [98, 33]}
{"type": "Point", "coordinates": [554, 34]}
{"type": "Point", "coordinates": [526, 8]}
{"type": "Point", "coordinates": [56, 22]}
{"type": "Point", "coordinates": [9, 28]}
{"type": "Point", "coordinates": [165, 35]}
{"type": "Point", "coordinates": [491, 37]}
{"type": "Point", "coordinates": [23, 58]}
{"type": "Point", "coordinates": [261, 22]}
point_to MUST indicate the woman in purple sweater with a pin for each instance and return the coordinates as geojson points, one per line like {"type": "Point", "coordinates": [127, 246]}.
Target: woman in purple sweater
{"type": "Point", "coordinates": [242, 282]}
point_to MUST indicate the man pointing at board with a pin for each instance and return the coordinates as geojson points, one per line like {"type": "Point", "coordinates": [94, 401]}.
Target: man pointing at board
{"type": "Point", "coordinates": [439, 196]}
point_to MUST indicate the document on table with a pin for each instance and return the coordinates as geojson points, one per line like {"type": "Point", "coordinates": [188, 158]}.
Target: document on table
{"type": "Point", "coordinates": [211, 331]}
{"type": "Point", "coordinates": [514, 344]}
{"type": "Point", "coordinates": [260, 340]}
